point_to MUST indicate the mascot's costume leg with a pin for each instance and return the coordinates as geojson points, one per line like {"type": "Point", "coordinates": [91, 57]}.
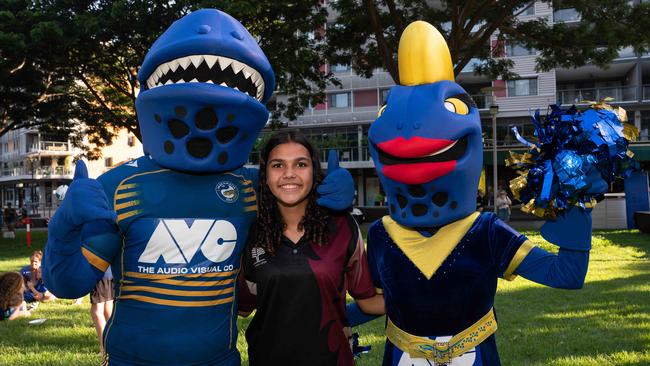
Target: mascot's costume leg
{"type": "Point", "coordinates": [436, 260]}
{"type": "Point", "coordinates": [172, 223]}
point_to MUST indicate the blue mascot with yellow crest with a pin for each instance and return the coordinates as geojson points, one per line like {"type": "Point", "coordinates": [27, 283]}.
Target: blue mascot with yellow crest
{"type": "Point", "coordinates": [435, 258]}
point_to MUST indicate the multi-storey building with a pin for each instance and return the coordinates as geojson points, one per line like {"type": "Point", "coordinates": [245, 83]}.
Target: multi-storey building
{"type": "Point", "coordinates": [35, 164]}
{"type": "Point", "coordinates": [343, 121]}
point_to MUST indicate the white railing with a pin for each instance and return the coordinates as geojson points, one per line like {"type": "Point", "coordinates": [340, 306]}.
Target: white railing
{"type": "Point", "coordinates": [579, 96]}
{"type": "Point", "coordinates": [37, 172]}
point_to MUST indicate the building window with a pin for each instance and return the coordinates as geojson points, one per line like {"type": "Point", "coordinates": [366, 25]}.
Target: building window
{"type": "Point", "coordinates": [522, 87]}
{"type": "Point", "coordinates": [338, 68]}
{"type": "Point", "coordinates": [130, 141]}
{"type": "Point", "coordinates": [530, 9]}
{"type": "Point", "coordinates": [339, 100]}
{"type": "Point", "coordinates": [516, 49]}
{"type": "Point", "coordinates": [108, 162]}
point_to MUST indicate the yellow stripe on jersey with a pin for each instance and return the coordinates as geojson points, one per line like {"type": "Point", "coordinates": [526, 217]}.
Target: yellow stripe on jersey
{"type": "Point", "coordinates": [248, 190]}
{"type": "Point", "coordinates": [191, 283]}
{"type": "Point", "coordinates": [250, 199]}
{"type": "Point", "coordinates": [126, 204]}
{"type": "Point", "coordinates": [120, 196]}
{"type": "Point", "coordinates": [124, 187]}
{"type": "Point", "coordinates": [250, 208]}
{"type": "Point", "coordinates": [178, 303]}
{"type": "Point", "coordinates": [94, 260]}
{"type": "Point", "coordinates": [245, 181]}
{"type": "Point", "coordinates": [166, 291]}
{"type": "Point", "coordinates": [127, 214]}
{"type": "Point", "coordinates": [193, 275]}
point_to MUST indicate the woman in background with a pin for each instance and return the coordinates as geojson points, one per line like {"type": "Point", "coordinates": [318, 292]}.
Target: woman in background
{"type": "Point", "coordinates": [300, 261]}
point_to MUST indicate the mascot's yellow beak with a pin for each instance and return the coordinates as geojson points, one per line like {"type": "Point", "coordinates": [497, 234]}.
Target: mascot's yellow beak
{"type": "Point", "coordinates": [423, 56]}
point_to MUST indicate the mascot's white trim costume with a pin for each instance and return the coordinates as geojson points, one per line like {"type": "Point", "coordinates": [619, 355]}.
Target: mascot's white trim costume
{"type": "Point", "coordinates": [436, 260]}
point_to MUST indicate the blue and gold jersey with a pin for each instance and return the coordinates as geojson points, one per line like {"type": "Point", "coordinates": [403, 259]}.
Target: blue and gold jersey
{"type": "Point", "coordinates": [176, 266]}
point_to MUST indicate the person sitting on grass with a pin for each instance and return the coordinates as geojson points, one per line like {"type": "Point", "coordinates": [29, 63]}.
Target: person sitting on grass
{"type": "Point", "coordinates": [35, 290]}
{"type": "Point", "coordinates": [12, 304]}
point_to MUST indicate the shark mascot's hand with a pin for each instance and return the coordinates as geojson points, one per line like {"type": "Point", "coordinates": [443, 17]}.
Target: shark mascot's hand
{"type": "Point", "coordinates": [85, 201]}
{"type": "Point", "coordinates": [337, 188]}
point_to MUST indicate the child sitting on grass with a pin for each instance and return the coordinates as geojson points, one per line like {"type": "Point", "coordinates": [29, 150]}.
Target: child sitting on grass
{"type": "Point", "coordinates": [12, 304]}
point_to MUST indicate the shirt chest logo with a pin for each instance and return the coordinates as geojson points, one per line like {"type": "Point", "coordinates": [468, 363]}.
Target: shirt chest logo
{"type": "Point", "coordinates": [257, 254]}
{"type": "Point", "coordinates": [177, 242]}
{"type": "Point", "coordinates": [227, 191]}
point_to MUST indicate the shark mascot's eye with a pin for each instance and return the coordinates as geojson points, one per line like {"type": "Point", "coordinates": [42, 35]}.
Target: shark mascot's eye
{"type": "Point", "coordinates": [457, 106]}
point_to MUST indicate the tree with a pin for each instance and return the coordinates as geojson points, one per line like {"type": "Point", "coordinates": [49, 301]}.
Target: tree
{"type": "Point", "coordinates": [95, 48]}
{"type": "Point", "coordinates": [31, 93]}
{"type": "Point", "coordinates": [367, 32]}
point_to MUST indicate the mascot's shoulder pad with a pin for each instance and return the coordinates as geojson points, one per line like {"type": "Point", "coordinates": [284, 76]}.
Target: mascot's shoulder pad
{"type": "Point", "coordinates": [112, 178]}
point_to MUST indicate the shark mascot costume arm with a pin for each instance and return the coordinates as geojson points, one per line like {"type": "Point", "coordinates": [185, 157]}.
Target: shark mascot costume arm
{"type": "Point", "coordinates": [436, 260]}
{"type": "Point", "coordinates": [172, 223]}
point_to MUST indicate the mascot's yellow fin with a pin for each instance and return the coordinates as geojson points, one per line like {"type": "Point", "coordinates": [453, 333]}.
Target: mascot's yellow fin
{"type": "Point", "coordinates": [428, 253]}
{"type": "Point", "coordinates": [423, 56]}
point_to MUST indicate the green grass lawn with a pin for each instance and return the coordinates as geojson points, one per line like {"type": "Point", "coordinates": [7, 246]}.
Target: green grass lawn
{"type": "Point", "coordinates": [605, 323]}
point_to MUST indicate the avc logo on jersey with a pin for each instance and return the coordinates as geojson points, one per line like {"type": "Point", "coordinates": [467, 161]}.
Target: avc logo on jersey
{"type": "Point", "coordinates": [177, 242]}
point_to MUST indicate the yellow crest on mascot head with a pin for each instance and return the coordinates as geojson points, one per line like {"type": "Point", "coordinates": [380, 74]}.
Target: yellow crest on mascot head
{"type": "Point", "coordinates": [423, 56]}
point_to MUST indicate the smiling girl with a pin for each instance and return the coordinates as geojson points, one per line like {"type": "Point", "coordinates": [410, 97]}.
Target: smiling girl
{"type": "Point", "coordinates": [300, 262]}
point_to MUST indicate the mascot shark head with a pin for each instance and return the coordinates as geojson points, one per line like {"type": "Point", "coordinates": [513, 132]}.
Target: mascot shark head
{"type": "Point", "coordinates": [426, 143]}
{"type": "Point", "coordinates": [205, 82]}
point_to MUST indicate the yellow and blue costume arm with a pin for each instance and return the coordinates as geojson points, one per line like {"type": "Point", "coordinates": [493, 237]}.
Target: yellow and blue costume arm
{"type": "Point", "coordinates": [71, 269]}
{"type": "Point", "coordinates": [567, 269]}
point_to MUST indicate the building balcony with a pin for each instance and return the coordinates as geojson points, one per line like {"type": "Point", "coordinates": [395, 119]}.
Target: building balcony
{"type": "Point", "coordinates": [620, 94]}
{"type": "Point", "coordinates": [646, 93]}
{"type": "Point", "coordinates": [336, 116]}
{"type": "Point", "coordinates": [50, 148]}
{"type": "Point", "coordinates": [47, 172]}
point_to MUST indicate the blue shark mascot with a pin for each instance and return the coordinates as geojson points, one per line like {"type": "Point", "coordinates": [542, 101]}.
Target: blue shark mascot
{"type": "Point", "coordinates": [172, 223]}
{"type": "Point", "coordinates": [436, 260]}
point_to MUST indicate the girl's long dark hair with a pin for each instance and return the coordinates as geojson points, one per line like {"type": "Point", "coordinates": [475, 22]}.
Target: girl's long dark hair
{"type": "Point", "coordinates": [10, 285]}
{"type": "Point", "coordinates": [270, 224]}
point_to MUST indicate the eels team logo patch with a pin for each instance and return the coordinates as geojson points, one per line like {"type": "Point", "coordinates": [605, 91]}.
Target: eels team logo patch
{"type": "Point", "coordinates": [227, 191]}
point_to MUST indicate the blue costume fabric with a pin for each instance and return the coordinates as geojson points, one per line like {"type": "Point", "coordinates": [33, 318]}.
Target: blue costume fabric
{"type": "Point", "coordinates": [435, 258]}
{"type": "Point", "coordinates": [181, 260]}
{"type": "Point", "coordinates": [172, 223]}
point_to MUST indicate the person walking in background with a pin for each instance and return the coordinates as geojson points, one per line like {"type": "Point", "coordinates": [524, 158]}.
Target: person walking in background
{"type": "Point", "coordinates": [12, 304]}
{"type": "Point", "coordinates": [101, 305]}
{"type": "Point", "coordinates": [300, 261]}
{"type": "Point", "coordinates": [481, 201]}
{"type": "Point", "coordinates": [9, 218]}
{"type": "Point", "coordinates": [503, 206]}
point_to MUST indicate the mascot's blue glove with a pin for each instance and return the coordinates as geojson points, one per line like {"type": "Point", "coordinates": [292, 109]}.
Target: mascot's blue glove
{"type": "Point", "coordinates": [572, 229]}
{"type": "Point", "coordinates": [356, 316]}
{"type": "Point", "coordinates": [84, 216]}
{"type": "Point", "coordinates": [85, 201]}
{"type": "Point", "coordinates": [336, 191]}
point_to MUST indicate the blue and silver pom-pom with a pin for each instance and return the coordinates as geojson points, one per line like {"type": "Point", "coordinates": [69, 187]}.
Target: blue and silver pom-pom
{"type": "Point", "coordinates": [573, 148]}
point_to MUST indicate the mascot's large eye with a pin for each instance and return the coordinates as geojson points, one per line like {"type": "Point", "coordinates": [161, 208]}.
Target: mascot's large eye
{"type": "Point", "coordinates": [457, 106]}
{"type": "Point", "coordinates": [381, 110]}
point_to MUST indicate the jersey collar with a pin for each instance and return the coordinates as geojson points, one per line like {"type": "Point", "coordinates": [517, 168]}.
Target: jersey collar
{"type": "Point", "coordinates": [428, 253]}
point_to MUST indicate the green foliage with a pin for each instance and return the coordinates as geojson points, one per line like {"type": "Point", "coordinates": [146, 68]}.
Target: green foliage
{"type": "Point", "coordinates": [605, 323]}
{"type": "Point", "coordinates": [367, 32]}
{"type": "Point", "coordinates": [93, 51]}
